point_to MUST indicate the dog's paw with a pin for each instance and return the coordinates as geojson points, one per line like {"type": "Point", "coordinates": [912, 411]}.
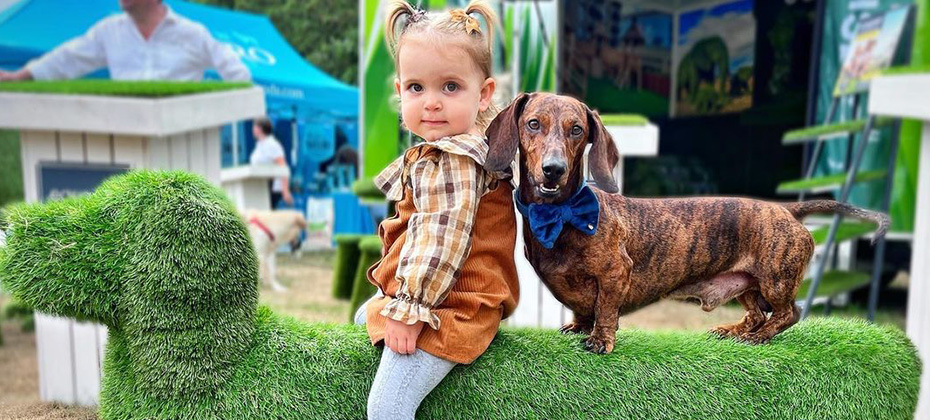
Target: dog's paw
{"type": "Point", "coordinates": [754, 338]}
{"type": "Point", "coordinates": [573, 328]}
{"type": "Point", "coordinates": [599, 345]}
{"type": "Point", "coordinates": [722, 332]}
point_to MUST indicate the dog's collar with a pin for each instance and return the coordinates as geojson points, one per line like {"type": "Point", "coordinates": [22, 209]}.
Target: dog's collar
{"type": "Point", "coordinates": [546, 220]}
{"type": "Point", "coordinates": [254, 220]}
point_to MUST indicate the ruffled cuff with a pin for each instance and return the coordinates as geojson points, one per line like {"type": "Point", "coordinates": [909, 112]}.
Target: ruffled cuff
{"type": "Point", "coordinates": [408, 311]}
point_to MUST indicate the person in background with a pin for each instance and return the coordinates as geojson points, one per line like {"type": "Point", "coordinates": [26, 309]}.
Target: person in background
{"type": "Point", "coordinates": [147, 42]}
{"type": "Point", "coordinates": [269, 151]}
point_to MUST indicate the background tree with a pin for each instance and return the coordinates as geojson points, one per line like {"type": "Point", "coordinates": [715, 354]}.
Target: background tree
{"type": "Point", "coordinates": [325, 32]}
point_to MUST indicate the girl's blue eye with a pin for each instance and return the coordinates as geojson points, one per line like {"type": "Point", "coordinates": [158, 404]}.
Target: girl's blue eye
{"type": "Point", "coordinates": [416, 87]}
{"type": "Point", "coordinates": [451, 87]}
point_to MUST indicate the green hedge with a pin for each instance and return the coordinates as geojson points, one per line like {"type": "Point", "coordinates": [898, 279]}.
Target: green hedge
{"type": "Point", "coordinates": [163, 259]}
{"type": "Point", "coordinates": [11, 169]}
{"type": "Point", "coordinates": [14, 311]}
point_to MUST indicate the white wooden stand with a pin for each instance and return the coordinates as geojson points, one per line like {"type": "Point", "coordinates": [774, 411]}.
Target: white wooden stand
{"type": "Point", "coordinates": [247, 186]}
{"type": "Point", "coordinates": [537, 307]}
{"type": "Point", "coordinates": [905, 96]}
{"type": "Point", "coordinates": [181, 132]}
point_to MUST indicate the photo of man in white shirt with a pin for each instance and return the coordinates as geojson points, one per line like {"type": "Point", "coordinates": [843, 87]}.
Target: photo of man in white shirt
{"type": "Point", "coordinates": [147, 42]}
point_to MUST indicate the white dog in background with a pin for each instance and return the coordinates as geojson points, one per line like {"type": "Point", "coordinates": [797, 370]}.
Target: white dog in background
{"type": "Point", "coordinates": [269, 230]}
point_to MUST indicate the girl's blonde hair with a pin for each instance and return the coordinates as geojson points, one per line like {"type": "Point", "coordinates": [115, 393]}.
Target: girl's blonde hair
{"type": "Point", "coordinates": [458, 24]}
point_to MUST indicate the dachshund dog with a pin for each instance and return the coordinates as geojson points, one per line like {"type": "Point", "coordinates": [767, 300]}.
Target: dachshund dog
{"type": "Point", "coordinates": [642, 250]}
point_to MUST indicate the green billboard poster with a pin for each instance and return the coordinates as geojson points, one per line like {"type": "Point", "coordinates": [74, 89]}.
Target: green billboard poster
{"type": "Point", "coordinates": [905, 179]}
{"type": "Point", "coordinates": [840, 26]}
{"type": "Point", "coordinates": [380, 131]}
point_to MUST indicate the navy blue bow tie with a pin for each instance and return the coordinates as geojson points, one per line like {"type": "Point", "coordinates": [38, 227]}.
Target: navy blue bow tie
{"type": "Point", "coordinates": [547, 220]}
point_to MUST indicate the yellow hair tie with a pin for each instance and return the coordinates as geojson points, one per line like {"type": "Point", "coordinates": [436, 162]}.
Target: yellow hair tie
{"type": "Point", "coordinates": [471, 24]}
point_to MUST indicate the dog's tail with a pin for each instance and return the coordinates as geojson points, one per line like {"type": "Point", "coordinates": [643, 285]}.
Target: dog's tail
{"type": "Point", "coordinates": [801, 209]}
{"type": "Point", "coordinates": [300, 221]}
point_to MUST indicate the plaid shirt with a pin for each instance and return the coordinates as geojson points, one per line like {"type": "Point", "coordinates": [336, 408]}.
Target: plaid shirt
{"type": "Point", "coordinates": [447, 179]}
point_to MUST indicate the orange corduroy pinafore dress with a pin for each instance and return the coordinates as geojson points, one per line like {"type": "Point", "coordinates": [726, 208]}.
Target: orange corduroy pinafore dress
{"type": "Point", "coordinates": [486, 292]}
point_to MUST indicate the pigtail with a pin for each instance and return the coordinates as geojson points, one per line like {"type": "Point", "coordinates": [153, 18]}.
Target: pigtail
{"type": "Point", "coordinates": [482, 8]}
{"type": "Point", "coordinates": [397, 10]}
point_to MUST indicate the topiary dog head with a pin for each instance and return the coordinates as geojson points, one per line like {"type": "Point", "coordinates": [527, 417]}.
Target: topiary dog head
{"type": "Point", "coordinates": [161, 258]}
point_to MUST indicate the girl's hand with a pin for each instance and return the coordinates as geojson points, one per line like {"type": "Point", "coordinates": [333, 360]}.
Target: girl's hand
{"type": "Point", "coordinates": [400, 337]}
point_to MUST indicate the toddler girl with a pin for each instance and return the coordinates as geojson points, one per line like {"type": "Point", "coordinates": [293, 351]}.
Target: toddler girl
{"type": "Point", "coordinates": [447, 275]}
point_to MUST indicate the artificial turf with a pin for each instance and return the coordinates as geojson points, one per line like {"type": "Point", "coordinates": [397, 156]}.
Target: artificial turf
{"type": "Point", "coordinates": [812, 133]}
{"type": "Point", "coordinates": [365, 188]}
{"type": "Point", "coordinates": [823, 368]}
{"type": "Point", "coordinates": [906, 70]}
{"type": "Point", "coordinates": [103, 87]}
{"type": "Point", "coordinates": [362, 289]}
{"type": "Point", "coordinates": [164, 260]}
{"type": "Point", "coordinates": [827, 181]}
{"type": "Point", "coordinates": [624, 119]}
{"type": "Point", "coordinates": [846, 230]}
{"type": "Point", "coordinates": [346, 264]}
{"type": "Point", "coordinates": [835, 282]}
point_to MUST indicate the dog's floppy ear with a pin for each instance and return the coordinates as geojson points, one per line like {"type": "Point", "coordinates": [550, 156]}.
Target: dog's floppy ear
{"type": "Point", "coordinates": [604, 154]}
{"type": "Point", "coordinates": [504, 135]}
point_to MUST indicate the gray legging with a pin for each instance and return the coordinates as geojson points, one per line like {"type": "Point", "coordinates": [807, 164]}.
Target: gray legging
{"type": "Point", "coordinates": [403, 380]}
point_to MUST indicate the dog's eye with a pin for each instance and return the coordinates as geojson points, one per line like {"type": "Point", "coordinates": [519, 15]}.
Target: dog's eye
{"type": "Point", "coordinates": [533, 124]}
{"type": "Point", "coordinates": [576, 131]}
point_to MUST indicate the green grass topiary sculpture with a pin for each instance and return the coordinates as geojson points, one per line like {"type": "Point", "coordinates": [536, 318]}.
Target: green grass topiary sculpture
{"type": "Point", "coordinates": [370, 250]}
{"type": "Point", "coordinates": [16, 311]}
{"type": "Point", "coordinates": [346, 264]}
{"type": "Point", "coordinates": [165, 262]}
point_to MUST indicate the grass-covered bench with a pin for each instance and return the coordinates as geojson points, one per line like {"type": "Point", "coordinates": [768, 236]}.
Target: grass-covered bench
{"type": "Point", "coordinates": [819, 369]}
{"type": "Point", "coordinates": [164, 261]}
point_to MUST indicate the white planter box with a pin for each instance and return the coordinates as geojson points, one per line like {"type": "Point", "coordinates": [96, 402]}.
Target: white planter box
{"type": "Point", "coordinates": [158, 117]}
{"type": "Point", "coordinates": [906, 96]}
{"type": "Point", "coordinates": [247, 186]}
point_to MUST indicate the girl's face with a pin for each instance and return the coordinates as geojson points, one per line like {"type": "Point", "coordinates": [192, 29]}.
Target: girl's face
{"type": "Point", "coordinates": [441, 89]}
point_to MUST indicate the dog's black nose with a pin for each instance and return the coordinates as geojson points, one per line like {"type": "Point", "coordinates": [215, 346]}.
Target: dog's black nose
{"type": "Point", "coordinates": [553, 169]}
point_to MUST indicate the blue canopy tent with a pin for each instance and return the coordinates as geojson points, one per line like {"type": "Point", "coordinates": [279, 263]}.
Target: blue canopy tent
{"type": "Point", "coordinates": [313, 112]}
